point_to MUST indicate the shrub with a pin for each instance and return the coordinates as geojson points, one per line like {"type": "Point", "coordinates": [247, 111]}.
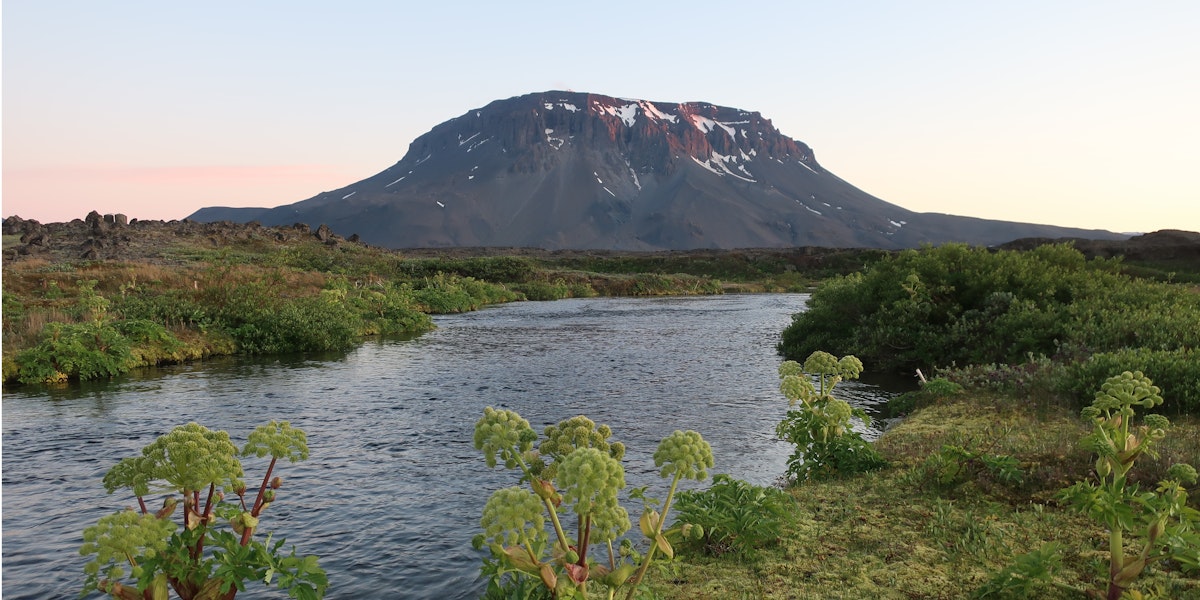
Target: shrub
{"type": "Point", "coordinates": [542, 290]}
{"type": "Point", "coordinates": [959, 305]}
{"type": "Point", "coordinates": [1177, 372]}
{"type": "Point", "coordinates": [736, 516]}
{"type": "Point", "coordinates": [79, 351]}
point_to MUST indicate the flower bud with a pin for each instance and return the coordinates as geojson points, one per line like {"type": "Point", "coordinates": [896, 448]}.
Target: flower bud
{"type": "Point", "coordinates": [276, 483]}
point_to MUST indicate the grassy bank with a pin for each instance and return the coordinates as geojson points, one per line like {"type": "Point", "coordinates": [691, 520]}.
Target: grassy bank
{"type": "Point", "coordinates": [915, 530]}
{"type": "Point", "coordinates": [189, 291]}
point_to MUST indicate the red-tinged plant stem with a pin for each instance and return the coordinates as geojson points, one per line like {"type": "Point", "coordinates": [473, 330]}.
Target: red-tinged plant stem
{"type": "Point", "coordinates": [585, 534]}
{"type": "Point", "coordinates": [208, 507]}
{"type": "Point", "coordinates": [262, 490]}
{"type": "Point", "coordinates": [142, 503]}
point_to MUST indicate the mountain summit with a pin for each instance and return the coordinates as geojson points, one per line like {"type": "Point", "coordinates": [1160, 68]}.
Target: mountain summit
{"type": "Point", "coordinates": [585, 171]}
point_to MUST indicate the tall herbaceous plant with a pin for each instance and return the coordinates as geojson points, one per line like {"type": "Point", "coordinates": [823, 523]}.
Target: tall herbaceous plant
{"type": "Point", "coordinates": [574, 470]}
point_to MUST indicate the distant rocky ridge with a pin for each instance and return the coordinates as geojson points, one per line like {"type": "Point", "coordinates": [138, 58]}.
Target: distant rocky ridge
{"type": "Point", "coordinates": [115, 237]}
{"type": "Point", "coordinates": [561, 170]}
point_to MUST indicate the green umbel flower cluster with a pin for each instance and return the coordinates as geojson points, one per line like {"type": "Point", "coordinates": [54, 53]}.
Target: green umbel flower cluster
{"type": "Point", "coordinates": [189, 458]}
{"type": "Point", "coordinates": [590, 480]}
{"type": "Point", "coordinates": [504, 433]}
{"type": "Point", "coordinates": [118, 537]}
{"type": "Point", "coordinates": [609, 521]}
{"type": "Point", "coordinates": [796, 388]}
{"type": "Point", "coordinates": [685, 454]}
{"type": "Point", "coordinates": [513, 514]}
{"type": "Point", "coordinates": [1120, 393]}
{"type": "Point", "coordinates": [279, 440]}
{"type": "Point", "coordinates": [579, 432]}
{"type": "Point", "coordinates": [821, 363]}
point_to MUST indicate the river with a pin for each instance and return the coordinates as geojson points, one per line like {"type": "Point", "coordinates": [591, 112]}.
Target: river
{"type": "Point", "coordinates": [392, 492]}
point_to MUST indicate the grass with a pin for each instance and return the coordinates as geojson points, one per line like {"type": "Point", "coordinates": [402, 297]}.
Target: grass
{"type": "Point", "coordinates": [893, 534]}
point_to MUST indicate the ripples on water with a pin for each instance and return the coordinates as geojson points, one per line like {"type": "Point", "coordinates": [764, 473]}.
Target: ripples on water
{"type": "Point", "coordinates": [392, 493]}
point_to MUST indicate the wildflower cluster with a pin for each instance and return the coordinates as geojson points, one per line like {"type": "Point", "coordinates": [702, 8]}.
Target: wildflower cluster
{"type": "Point", "coordinates": [116, 537]}
{"type": "Point", "coordinates": [583, 475]}
{"type": "Point", "coordinates": [684, 453]}
{"type": "Point", "coordinates": [576, 432]}
{"type": "Point", "coordinates": [819, 425]}
{"type": "Point", "coordinates": [1162, 517]}
{"type": "Point", "coordinates": [513, 515]}
{"type": "Point", "coordinates": [200, 465]}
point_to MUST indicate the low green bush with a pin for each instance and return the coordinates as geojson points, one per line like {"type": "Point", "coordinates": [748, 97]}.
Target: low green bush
{"type": "Point", "coordinates": [79, 351]}
{"type": "Point", "coordinates": [954, 304]}
{"type": "Point", "coordinates": [543, 290]}
{"type": "Point", "coordinates": [736, 516]}
{"type": "Point", "coordinates": [1177, 372]}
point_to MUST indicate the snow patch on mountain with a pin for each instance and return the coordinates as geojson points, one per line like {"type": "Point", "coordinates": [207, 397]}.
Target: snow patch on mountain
{"type": "Point", "coordinates": [652, 112]}
{"type": "Point", "coordinates": [562, 104]}
{"type": "Point", "coordinates": [627, 113]}
{"type": "Point", "coordinates": [706, 125]}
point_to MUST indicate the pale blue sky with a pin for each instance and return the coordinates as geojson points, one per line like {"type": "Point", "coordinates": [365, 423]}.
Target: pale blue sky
{"type": "Point", "coordinates": [1072, 113]}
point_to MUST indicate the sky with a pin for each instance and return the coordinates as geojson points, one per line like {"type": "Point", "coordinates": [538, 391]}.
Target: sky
{"type": "Point", "coordinates": [1081, 114]}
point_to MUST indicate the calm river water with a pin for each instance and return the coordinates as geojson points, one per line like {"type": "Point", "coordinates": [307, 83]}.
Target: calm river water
{"type": "Point", "coordinates": [392, 493]}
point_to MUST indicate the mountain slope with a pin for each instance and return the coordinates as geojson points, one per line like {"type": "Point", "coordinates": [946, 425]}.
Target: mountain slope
{"type": "Point", "coordinates": [575, 170]}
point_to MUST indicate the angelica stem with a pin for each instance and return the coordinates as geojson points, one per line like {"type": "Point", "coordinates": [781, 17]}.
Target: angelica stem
{"type": "Point", "coordinates": [654, 540]}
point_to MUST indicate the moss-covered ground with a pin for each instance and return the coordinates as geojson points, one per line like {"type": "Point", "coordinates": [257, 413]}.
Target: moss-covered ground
{"type": "Point", "coordinates": [903, 533]}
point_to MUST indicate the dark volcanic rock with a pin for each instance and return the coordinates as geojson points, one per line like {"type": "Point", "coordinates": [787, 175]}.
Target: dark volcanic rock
{"type": "Point", "coordinates": [575, 170]}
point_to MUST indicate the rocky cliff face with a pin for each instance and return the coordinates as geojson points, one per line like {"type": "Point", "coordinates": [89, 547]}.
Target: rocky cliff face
{"type": "Point", "coordinates": [575, 170]}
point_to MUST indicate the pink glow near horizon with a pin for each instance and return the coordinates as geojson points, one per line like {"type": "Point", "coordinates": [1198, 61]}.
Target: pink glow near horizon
{"type": "Point", "coordinates": [54, 194]}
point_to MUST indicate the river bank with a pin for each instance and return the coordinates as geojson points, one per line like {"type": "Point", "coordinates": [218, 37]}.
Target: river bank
{"type": "Point", "coordinates": [930, 529]}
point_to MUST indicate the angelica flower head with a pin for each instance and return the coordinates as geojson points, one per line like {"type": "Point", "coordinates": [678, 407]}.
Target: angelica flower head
{"type": "Point", "coordinates": [278, 439]}
{"type": "Point", "coordinates": [684, 453]}
{"type": "Point", "coordinates": [590, 479]}
{"type": "Point", "coordinates": [116, 537]}
{"type": "Point", "coordinates": [821, 363]}
{"type": "Point", "coordinates": [189, 458]}
{"type": "Point", "coordinates": [512, 515]}
{"type": "Point", "coordinates": [798, 388]}
{"type": "Point", "coordinates": [503, 433]}
{"type": "Point", "coordinates": [571, 434]}
{"type": "Point", "coordinates": [1126, 390]}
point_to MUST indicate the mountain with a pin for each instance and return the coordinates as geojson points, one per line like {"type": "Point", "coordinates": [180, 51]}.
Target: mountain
{"type": "Point", "coordinates": [586, 171]}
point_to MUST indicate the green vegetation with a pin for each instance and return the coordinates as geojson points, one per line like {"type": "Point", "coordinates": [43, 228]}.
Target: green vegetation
{"type": "Point", "coordinates": [77, 320]}
{"type": "Point", "coordinates": [214, 554]}
{"type": "Point", "coordinates": [819, 427]}
{"type": "Point", "coordinates": [584, 477]}
{"type": "Point", "coordinates": [890, 534]}
{"type": "Point", "coordinates": [988, 313]}
{"type": "Point", "coordinates": [734, 516]}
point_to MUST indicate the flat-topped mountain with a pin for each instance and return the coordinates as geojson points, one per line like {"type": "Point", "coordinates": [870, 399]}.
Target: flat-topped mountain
{"type": "Point", "coordinates": [586, 171]}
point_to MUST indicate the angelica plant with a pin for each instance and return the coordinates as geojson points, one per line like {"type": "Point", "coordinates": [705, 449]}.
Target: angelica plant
{"type": "Point", "coordinates": [819, 425]}
{"type": "Point", "coordinates": [214, 553]}
{"type": "Point", "coordinates": [1166, 524]}
{"type": "Point", "coordinates": [575, 470]}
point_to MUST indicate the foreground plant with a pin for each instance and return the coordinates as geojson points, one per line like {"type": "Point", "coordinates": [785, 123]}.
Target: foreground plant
{"type": "Point", "coordinates": [819, 426]}
{"type": "Point", "coordinates": [737, 516]}
{"type": "Point", "coordinates": [214, 553]}
{"type": "Point", "coordinates": [1161, 518]}
{"type": "Point", "coordinates": [583, 476]}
